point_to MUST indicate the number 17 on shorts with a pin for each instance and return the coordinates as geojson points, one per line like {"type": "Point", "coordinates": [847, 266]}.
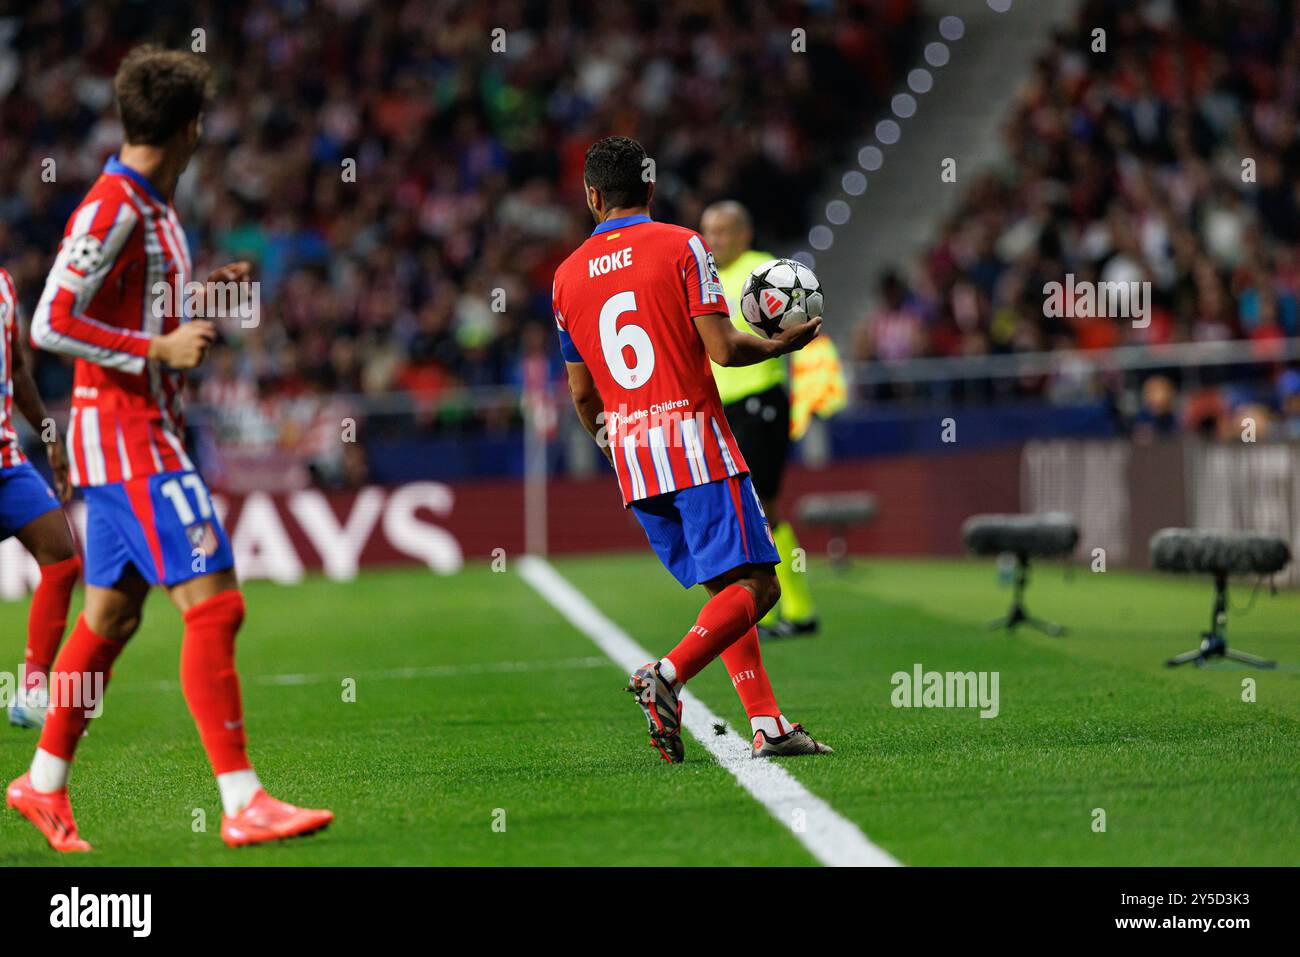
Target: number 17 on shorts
{"type": "Point", "coordinates": [164, 525]}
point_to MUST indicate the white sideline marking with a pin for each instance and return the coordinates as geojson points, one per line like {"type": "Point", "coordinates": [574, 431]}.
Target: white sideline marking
{"type": "Point", "coordinates": [832, 839]}
{"type": "Point", "coordinates": [395, 674]}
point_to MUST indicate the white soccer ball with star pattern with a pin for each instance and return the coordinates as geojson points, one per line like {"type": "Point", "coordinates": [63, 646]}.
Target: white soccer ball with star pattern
{"type": "Point", "coordinates": [779, 294]}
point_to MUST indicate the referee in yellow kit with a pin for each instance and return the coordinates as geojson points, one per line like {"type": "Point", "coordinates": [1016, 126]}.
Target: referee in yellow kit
{"type": "Point", "coordinates": [757, 404]}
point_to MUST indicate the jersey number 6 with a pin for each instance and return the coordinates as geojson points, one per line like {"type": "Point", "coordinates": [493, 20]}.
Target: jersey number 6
{"type": "Point", "coordinates": [614, 340]}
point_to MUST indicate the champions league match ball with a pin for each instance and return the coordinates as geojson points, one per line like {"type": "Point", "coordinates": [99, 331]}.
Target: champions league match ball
{"type": "Point", "coordinates": [779, 294]}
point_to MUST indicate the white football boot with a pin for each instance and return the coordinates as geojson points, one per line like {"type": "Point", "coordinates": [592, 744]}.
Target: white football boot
{"type": "Point", "coordinates": [27, 709]}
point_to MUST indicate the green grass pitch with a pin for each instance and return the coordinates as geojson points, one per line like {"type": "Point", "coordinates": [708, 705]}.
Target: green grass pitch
{"type": "Point", "coordinates": [477, 706]}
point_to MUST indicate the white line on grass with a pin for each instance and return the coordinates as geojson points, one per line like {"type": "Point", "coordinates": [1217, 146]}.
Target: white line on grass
{"type": "Point", "coordinates": [832, 839]}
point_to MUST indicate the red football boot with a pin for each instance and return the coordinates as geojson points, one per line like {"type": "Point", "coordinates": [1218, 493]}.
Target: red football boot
{"type": "Point", "coordinates": [51, 813]}
{"type": "Point", "coordinates": [266, 819]}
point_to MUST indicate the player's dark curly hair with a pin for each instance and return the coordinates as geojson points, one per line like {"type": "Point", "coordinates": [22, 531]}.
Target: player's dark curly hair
{"type": "Point", "coordinates": [159, 92]}
{"type": "Point", "coordinates": [616, 167]}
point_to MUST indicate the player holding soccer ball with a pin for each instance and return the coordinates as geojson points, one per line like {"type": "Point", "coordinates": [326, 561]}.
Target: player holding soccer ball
{"type": "Point", "coordinates": [149, 519]}
{"type": "Point", "coordinates": [29, 511]}
{"type": "Point", "coordinates": [757, 402]}
{"type": "Point", "coordinates": [640, 314]}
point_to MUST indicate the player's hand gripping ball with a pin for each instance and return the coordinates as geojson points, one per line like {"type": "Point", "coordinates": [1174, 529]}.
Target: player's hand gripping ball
{"type": "Point", "coordinates": [779, 294]}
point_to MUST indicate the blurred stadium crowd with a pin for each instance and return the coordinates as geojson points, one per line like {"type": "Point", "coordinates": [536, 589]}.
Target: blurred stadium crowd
{"type": "Point", "coordinates": [1173, 157]}
{"type": "Point", "coordinates": [468, 170]}
{"type": "Point", "coordinates": [421, 290]}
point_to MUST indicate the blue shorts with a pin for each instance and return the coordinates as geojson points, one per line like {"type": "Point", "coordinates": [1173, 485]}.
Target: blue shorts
{"type": "Point", "coordinates": [24, 497]}
{"type": "Point", "coordinates": [701, 532]}
{"type": "Point", "coordinates": [162, 524]}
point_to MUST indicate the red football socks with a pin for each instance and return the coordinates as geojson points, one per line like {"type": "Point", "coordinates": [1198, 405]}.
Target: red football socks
{"type": "Point", "coordinates": [48, 618]}
{"type": "Point", "coordinates": [744, 664]}
{"type": "Point", "coordinates": [79, 677]}
{"type": "Point", "coordinates": [723, 621]}
{"type": "Point", "coordinates": [209, 681]}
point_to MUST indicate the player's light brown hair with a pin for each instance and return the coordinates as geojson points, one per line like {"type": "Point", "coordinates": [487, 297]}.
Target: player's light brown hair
{"type": "Point", "coordinates": [159, 92]}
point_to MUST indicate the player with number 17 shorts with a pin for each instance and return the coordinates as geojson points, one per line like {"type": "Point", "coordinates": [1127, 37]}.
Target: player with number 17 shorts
{"type": "Point", "coordinates": [149, 517]}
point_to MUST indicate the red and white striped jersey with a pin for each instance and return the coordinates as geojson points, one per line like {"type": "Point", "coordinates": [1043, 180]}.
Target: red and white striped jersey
{"type": "Point", "coordinates": [101, 304]}
{"type": "Point", "coordinates": [625, 302]}
{"type": "Point", "coordinates": [11, 453]}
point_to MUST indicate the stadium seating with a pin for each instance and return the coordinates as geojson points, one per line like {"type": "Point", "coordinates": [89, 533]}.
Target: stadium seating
{"type": "Point", "coordinates": [467, 170]}
{"type": "Point", "coordinates": [1157, 160]}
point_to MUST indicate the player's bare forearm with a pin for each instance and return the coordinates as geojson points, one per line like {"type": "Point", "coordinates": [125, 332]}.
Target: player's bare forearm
{"type": "Point", "coordinates": [28, 400]}
{"type": "Point", "coordinates": [588, 403]}
{"type": "Point", "coordinates": [730, 347]}
{"type": "Point", "coordinates": [589, 408]}
{"type": "Point", "coordinates": [26, 396]}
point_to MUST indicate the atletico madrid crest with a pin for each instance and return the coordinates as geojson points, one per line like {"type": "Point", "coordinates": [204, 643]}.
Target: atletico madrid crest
{"type": "Point", "coordinates": [202, 538]}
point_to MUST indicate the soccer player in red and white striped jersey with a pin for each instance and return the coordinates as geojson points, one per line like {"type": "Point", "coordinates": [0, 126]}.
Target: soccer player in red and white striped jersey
{"type": "Point", "coordinates": [30, 512]}
{"type": "Point", "coordinates": [121, 241]}
{"type": "Point", "coordinates": [640, 313]}
{"type": "Point", "coordinates": [149, 516]}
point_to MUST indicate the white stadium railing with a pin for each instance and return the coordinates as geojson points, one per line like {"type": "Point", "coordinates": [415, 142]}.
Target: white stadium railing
{"type": "Point", "coordinates": [1077, 362]}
